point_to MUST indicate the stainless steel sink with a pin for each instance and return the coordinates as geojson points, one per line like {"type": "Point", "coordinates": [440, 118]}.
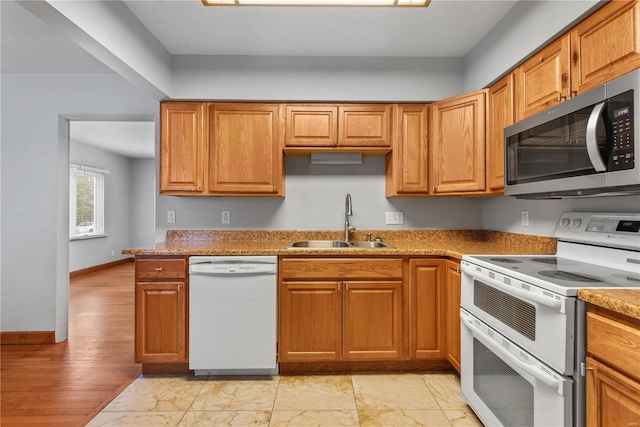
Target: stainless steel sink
{"type": "Point", "coordinates": [333, 244]}
{"type": "Point", "coordinates": [365, 244]}
{"type": "Point", "coordinates": [319, 244]}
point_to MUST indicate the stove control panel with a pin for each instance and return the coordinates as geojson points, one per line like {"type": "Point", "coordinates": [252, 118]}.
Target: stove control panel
{"type": "Point", "coordinates": [614, 230]}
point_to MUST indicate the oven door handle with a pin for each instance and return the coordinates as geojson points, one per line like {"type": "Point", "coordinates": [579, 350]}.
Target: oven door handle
{"type": "Point", "coordinates": [538, 374]}
{"type": "Point", "coordinates": [540, 299]}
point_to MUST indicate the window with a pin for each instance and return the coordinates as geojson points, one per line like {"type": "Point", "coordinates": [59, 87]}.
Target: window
{"type": "Point", "coordinates": [86, 201]}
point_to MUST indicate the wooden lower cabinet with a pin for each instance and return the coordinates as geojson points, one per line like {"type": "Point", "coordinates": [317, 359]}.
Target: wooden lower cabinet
{"type": "Point", "coordinates": [426, 309]}
{"type": "Point", "coordinates": [372, 320]}
{"type": "Point", "coordinates": [613, 399]}
{"type": "Point", "coordinates": [341, 309]}
{"type": "Point", "coordinates": [453, 298]}
{"type": "Point", "coordinates": [613, 369]}
{"type": "Point", "coordinates": [161, 311]}
{"type": "Point", "coordinates": [310, 321]}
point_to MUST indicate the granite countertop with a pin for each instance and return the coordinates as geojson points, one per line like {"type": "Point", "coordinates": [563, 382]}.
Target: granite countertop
{"type": "Point", "coordinates": [454, 243]}
{"type": "Point", "coordinates": [623, 301]}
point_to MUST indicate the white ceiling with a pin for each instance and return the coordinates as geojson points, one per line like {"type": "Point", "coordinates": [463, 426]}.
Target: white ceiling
{"type": "Point", "coordinates": [447, 28]}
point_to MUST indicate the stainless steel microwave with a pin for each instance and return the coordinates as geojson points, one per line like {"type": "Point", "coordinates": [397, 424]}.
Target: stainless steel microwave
{"type": "Point", "coordinates": [584, 147]}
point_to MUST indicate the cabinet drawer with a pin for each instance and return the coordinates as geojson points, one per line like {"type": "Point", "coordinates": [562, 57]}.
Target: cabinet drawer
{"type": "Point", "coordinates": [614, 343]}
{"type": "Point", "coordinates": [341, 268]}
{"type": "Point", "coordinates": [152, 269]}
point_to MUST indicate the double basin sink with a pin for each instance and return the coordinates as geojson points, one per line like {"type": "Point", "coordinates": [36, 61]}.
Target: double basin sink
{"type": "Point", "coordinates": [336, 244]}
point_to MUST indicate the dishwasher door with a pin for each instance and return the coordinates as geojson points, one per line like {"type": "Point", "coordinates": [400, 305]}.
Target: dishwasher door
{"type": "Point", "coordinates": [233, 315]}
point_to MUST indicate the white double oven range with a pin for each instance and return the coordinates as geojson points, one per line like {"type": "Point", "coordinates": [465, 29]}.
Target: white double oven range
{"type": "Point", "coordinates": [524, 330]}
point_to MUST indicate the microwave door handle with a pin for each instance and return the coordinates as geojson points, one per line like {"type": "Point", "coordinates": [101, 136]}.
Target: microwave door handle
{"type": "Point", "coordinates": [535, 372]}
{"type": "Point", "coordinates": [592, 141]}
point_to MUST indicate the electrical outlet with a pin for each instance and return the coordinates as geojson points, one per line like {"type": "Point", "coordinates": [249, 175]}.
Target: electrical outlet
{"type": "Point", "coordinates": [525, 218]}
{"type": "Point", "coordinates": [113, 253]}
{"type": "Point", "coordinates": [394, 218]}
{"type": "Point", "coordinates": [171, 217]}
{"type": "Point", "coordinates": [226, 217]}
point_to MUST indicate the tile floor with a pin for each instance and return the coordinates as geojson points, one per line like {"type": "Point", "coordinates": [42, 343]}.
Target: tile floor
{"type": "Point", "coordinates": [320, 400]}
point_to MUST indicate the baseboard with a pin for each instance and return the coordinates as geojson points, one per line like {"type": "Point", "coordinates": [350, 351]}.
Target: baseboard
{"type": "Point", "coordinates": [27, 337]}
{"type": "Point", "coordinates": [368, 366]}
{"type": "Point", "coordinates": [95, 268]}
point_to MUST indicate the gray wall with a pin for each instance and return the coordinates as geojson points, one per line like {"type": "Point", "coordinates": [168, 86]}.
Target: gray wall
{"type": "Point", "coordinates": [143, 202]}
{"type": "Point", "coordinates": [316, 78]}
{"type": "Point", "coordinates": [34, 264]}
{"type": "Point", "coordinates": [315, 198]}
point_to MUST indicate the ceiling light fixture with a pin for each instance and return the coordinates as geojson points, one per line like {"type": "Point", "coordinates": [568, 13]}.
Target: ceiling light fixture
{"type": "Point", "coordinates": [422, 3]}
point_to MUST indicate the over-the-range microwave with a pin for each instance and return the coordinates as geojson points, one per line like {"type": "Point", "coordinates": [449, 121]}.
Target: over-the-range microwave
{"type": "Point", "coordinates": [584, 147]}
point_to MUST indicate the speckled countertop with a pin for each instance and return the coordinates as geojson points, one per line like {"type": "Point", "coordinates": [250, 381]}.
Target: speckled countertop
{"type": "Point", "coordinates": [449, 243]}
{"type": "Point", "coordinates": [623, 301]}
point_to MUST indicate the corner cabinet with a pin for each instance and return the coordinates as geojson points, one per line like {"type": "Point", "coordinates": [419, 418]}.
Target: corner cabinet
{"type": "Point", "coordinates": [613, 369]}
{"type": "Point", "coordinates": [426, 308]}
{"type": "Point", "coordinates": [406, 167]}
{"type": "Point", "coordinates": [338, 309]}
{"type": "Point", "coordinates": [161, 296]}
{"type": "Point", "coordinates": [219, 149]}
{"type": "Point", "coordinates": [457, 155]}
{"type": "Point", "coordinates": [501, 113]}
{"type": "Point", "coordinates": [182, 147]}
{"type": "Point", "coordinates": [245, 156]}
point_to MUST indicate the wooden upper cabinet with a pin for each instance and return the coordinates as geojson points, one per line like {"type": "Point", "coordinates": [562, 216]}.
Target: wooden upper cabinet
{"type": "Point", "coordinates": [543, 80]}
{"type": "Point", "coordinates": [501, 114]}
{"type": "Point", "coordinates": [311, 125]}
{"type": "Point", "coordinates": [457, 156]}
{"type": "Point", "coordinates": [333, 127]}
{"type": "Point", "coordinates": [406, 165]}
{"type": "Point", "coordinates": [364, 125]}
{"type": "Point", "coordinates": [182, 147]}
{"type": "Point", "coordinates": [245, 156]}
{"type": "Point", "coordinates": [605, 45]}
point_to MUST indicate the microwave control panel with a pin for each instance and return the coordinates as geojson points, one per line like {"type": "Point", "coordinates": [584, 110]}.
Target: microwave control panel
{"type": "Point", "coordinates": [621, 115]}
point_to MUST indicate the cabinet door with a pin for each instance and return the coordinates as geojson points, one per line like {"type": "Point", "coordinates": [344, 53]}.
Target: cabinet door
{"type": "Point", "coordinates": [311, 126]}
{"type": "Point", "coordinates": [454, 286]}
{"type": "Point", "coordinates": [364, 125]}
{"type": "Point", "coordinates": [612, 398]}
{"type": "Point", "coordinates": [245, 155]}
{"type": "Point", "coordinates": [426, 296]}
{"type": "Point", "coordinates": [501, 114]}
{"type": "Point", "coordinates": [458, 144]}
{"type": "Point", "coordinates": [372, 320]}
{"type": "Point", "coordinates": [310, 327]}
{"type": "Point", "coordinates": [543, 80]}
{"type": "Point", "coordinates": [161, 313]}
{"type": "Point", "coordinates": [182, 147]}
{"type": "Point", "coordinates": [406, 165]}
{"type": "Point", "coordinates": [606, 45]}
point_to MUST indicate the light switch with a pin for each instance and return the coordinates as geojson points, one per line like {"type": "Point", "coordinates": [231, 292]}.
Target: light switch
{"type": "Point", "coordinates": [226, 217]}
{"type": "Point", "coordinates": [394, 218]}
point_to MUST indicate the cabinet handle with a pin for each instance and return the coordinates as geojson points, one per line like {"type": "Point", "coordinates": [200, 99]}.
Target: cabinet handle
{"type": "Point", "coordinates": [179, 288]}
{"type": "Point", "coordinates": [158, 268]}
{"type": "Point", "coordinates": [339, 283]}
{"type": "Point", "coordinates": [346, 286]}
{"type": "Point", "coordinates": [457, 269]}
{"type": "Point", "coordinates": [560, 97]}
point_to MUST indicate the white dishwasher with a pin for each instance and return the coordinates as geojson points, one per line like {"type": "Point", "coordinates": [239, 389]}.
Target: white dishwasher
{"type": "Point", "coordinates": [233, 315]}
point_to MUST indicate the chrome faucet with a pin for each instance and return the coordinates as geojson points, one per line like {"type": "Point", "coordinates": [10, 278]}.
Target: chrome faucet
{"type": "Point", "coordinates": [348, 211]}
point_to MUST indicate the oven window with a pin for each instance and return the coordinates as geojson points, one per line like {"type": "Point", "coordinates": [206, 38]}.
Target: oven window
{"type": "Point", "coordinates": [513, 312]}
{"type": "Point", "coordinates": [506, 394]}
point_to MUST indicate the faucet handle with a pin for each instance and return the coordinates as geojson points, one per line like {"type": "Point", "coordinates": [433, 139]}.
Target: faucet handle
{"type": "Point", "coordinates": [378, 239]}
{"type": "Point", "coordinates": [368, 237]}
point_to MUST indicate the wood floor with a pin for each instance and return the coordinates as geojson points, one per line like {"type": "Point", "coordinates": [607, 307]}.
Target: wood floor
{"type": "Point", "coordinates": [68, 383]}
